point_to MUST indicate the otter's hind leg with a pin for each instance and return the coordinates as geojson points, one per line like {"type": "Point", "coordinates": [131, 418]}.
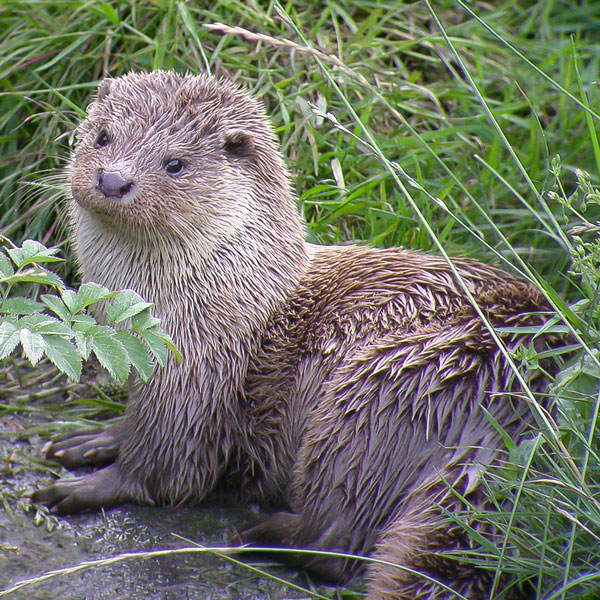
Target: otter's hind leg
{"type": "Point", "coordinates": [414, 561]}
{"type": "Point", "coordinates": [400, 420]}
{"type": "Point", "coordinates": [279, 530]}
{"type": "Point", "coordinates": [411, 550]}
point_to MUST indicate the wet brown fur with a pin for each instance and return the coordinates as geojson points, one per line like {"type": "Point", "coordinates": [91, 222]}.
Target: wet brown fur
{"type": "Point", "coordinates": [343, 383]}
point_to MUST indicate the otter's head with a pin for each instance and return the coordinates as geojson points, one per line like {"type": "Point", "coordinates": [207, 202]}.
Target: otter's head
{"type": "Point", "coordinates": [163, 155]}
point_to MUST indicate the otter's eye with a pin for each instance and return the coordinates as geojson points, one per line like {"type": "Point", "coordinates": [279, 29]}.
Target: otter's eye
{"type": "Point", "coordinates": [174, 166]}
{"type": "Point", "coordinates": [102, 139]}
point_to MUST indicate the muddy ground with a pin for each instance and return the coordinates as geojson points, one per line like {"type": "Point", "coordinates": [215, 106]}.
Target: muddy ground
{"type": "Point", "coordinates": [33, 544]}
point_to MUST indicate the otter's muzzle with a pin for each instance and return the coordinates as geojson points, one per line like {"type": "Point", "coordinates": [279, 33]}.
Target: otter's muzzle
{"type": "Point", "coordinates": [112, 184]}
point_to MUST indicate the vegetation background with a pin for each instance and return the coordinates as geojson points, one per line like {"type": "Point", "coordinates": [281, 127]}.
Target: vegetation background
{"type": "Point", "coordinates": [449, 126]}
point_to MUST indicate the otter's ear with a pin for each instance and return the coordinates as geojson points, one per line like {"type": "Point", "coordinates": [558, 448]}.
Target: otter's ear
{"type": "Point", "coordinates": [103, 89]}
{"type": "Point", "coordinates": [239, 144]}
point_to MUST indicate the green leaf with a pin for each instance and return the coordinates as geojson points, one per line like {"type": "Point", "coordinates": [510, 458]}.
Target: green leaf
{"type": "Point", "coordinates": [86, 328]}
{"type": "Point", "coordinates": [508, 441]}
{"type": "Point", "coordinates": [69, 297]}
{"type": "Point", "coordinates": [83, 323]}
{"type": "Point", "coordinates": [189, 21]}
{"type": "Point", "coordinates": [156, 346]}
{"type": "Point", "coordinates": [36, 275]}
{"type": "Point", "coordinates": [138, 354]}
{"type": "Point", "coordinates": [9, 338]}
{"type": "Point", "coordinates": [520, 454]}
{"type": "Point", "coordinates": [33, 344]}
{"type": "Point", "coordinates": [144, 320]}
{"type": "Point", "coordinates": [64, 356]}
{"type": "Point", "coordinates": [168, 342]}
{"type": "Point", "coordinates": [21, 306]}
{"type": "Point", "coordinates": [89, 293]}
{"type": "Point", "coordinates": [111, 354]}
{"type": "Point", "coordinates": [13, 319]}
{"type": "Point", "coordinates": [125, 305]}
{"type": "Point", "coordinates": [57, 306]}
{"type": "Point", "coordinates": [32, 252]}
{"type": "Point", "coordinates": [84, 344]}
{"type": "Point", "coordinates": [6, 268]}
{"type": "Point", "coordinates": [107, 11]}
{"type": "Point", "coordinates": [16, 255]}
{"type": "Point", "coordinates": [46, 325]}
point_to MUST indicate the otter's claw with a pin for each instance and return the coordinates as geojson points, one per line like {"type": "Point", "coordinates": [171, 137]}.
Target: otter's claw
{"type": "Point", "coordinates": [93, 447]}
{"type": "Point", "coordinates": [101, 489]}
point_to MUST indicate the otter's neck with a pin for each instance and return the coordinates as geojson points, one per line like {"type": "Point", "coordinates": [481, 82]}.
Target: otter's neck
{"type": "Point", "coordinates": [243, 280]}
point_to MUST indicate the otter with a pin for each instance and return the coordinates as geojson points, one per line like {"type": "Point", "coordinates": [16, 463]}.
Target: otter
{"type": "Point", "coordinates": [353, 388]}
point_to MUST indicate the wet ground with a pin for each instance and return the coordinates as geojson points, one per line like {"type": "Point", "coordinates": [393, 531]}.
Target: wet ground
{"type": "Point", "coordinates": [177, 577]}
{"type": "Point", "coordinates": [31, 545]}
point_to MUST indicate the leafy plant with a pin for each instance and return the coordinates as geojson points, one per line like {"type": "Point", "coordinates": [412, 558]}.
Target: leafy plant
{"type": "Point", "coordinates": [59, 326]}
{"type": "Point", "coordinates": [544, 526]}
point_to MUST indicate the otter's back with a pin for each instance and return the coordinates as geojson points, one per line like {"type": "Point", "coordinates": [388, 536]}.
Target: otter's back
{"type": "Point", "coordinates": [353, 298]}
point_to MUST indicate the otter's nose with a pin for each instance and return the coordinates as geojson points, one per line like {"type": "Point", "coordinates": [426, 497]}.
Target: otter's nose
{"type": "Point", "coordinates": [112, 184]}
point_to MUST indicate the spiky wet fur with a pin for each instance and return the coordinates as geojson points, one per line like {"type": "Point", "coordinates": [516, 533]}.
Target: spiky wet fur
{"type": "Point", "coordinates": [344, 383]}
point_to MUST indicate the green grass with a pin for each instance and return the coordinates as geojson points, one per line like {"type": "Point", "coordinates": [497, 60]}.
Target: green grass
{"type": "Point", "coordinates": [399, 76]}
{"type": "Point", "coordinates": [433, 112]}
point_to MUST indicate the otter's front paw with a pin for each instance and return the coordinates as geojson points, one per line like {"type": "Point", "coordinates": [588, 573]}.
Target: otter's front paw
{"type": "Point", "coordinates": [103, 489]}
{"type": "Point", "coordinates": [82, 448]}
